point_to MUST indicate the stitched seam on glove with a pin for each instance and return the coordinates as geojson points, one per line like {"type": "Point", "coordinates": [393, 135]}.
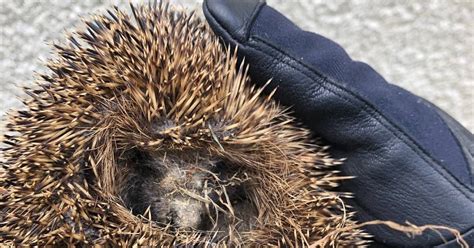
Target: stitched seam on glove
{"type": "Point", "coordinates": [252, 19]}
{"type": "Point", "coordinates": [463, 152]}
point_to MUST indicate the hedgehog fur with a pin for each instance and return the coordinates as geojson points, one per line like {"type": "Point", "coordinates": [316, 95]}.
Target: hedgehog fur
{"type": "Point", "coordinates": [146, 132]}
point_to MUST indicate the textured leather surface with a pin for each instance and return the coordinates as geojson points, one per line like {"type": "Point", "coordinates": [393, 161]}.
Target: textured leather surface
{"type": "Point", "coordinates": [410, 163]}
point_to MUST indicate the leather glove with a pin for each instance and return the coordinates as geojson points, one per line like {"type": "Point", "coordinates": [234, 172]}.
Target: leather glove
{"type": "Point", "coordinates": [412, 162]}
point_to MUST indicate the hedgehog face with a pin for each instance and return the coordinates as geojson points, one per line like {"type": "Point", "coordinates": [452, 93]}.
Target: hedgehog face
{"type": "Point", "coordinates": [146, 133]}
{"type": "Point", "coordinates": [189, 190]}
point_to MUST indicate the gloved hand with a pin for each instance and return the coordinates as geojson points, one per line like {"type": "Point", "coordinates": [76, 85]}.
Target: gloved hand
{"type": "Point", "coordinates": [412, 161]}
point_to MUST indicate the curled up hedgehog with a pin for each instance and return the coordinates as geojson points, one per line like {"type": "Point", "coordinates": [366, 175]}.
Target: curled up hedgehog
{"type": "Point", "coordinates": [146, 132]}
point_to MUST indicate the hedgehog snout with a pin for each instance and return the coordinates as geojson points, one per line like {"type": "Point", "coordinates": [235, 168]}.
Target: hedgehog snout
{"type": "Point", "coordinates": [182, 202]}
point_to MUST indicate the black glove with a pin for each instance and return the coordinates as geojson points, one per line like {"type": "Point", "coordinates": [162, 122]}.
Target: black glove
{"type": "Point", "coordinates": [412, 161]}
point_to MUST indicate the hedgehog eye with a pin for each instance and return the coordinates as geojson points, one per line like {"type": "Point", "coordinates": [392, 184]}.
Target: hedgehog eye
{"type": "Point", "coordinates": [219, 166]}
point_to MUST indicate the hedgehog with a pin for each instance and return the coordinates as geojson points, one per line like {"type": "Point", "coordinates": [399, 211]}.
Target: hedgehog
{"type": "Point", "coordinates": [146, 131]}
